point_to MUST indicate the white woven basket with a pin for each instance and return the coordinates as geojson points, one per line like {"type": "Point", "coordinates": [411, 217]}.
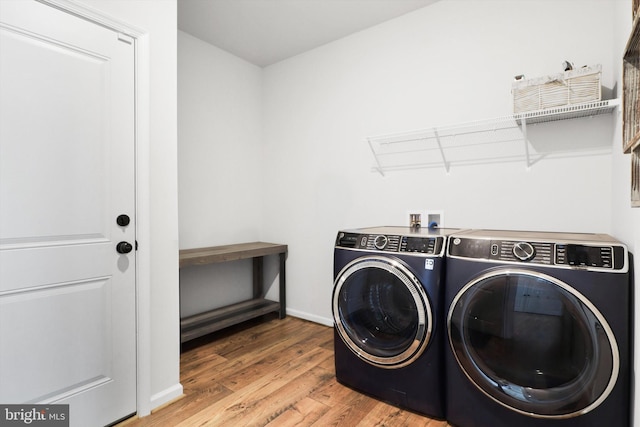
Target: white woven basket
{"type": "Point", "coordinates": [567, 88]}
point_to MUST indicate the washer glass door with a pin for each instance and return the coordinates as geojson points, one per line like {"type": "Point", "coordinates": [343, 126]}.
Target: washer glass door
{"type": "Point", "coordinates": [533, 344]}
{"type": "Point", "coordinates": [381, 311]}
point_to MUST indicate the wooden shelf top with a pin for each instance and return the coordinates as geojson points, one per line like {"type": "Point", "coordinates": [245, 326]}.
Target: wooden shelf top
{"type": "Point", "coordinates": [215, 254]}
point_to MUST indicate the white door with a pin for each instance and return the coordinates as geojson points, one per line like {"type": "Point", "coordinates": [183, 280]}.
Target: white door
{"type": "Point", "coordinates": [67, 297]}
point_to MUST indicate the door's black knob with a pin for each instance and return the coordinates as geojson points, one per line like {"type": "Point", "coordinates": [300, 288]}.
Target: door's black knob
{"type": "Point", "coordinates": [123, 220]}
{"type": "Point", "coordinates": [124, 247]}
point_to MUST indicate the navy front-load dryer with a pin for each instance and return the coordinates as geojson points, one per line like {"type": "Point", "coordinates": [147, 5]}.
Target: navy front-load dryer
{"type": "Point", "coordinates": [538, 329]}
{"type": "Point", "coordinates": [387, 308]}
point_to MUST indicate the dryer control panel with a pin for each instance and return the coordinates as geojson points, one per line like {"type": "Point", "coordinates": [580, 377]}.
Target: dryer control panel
{"type": "Point", "coordinates": [577, 255]}
{"type": "Point", "coordinates": [391, 243]}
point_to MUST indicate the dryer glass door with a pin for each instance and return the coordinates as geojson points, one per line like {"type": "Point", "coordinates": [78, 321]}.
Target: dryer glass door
{"type": "Point", "coordinates": [533, 344]}
{"type": "Point", "coordinates": [381, 311]}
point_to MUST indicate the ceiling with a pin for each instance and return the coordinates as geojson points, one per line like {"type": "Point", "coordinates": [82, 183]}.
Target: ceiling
{"type": "Point", "coordinates": [264, 32]}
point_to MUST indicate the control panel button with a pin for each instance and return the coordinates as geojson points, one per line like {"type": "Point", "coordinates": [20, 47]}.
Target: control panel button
{"type": "Point", "coordinates": [524, 251]}
{"type": "Point", "coordinates": [380, 242]}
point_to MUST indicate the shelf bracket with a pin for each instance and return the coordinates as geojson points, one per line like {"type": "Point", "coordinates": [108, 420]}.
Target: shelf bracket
{"type": "Point", "coordinates": [526, 142]}
{"type": "Point", "coordinates": [444, 159]}
{"type": "Point", "coordinates": [375, 156]}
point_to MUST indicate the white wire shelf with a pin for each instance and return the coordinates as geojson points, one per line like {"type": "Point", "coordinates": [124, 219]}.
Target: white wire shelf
{"type": "Point", "coordinates": [465, 143]}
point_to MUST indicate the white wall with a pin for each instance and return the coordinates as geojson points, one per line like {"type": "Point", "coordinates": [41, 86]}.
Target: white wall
{"type": "Point", "coordinates": [448, 63]}
{"type": "Point", "coordinates": [158, 19]}
{"type": "Point", "coordinates": [220, 168]}
{"type": "Point", "coordinates": [220, 135]}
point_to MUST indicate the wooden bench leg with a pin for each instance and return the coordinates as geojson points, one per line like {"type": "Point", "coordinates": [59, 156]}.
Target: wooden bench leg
{"type": "Point", "coordinates": [257, 277]}
{"type": "Point", "coordinates": [283, 291]}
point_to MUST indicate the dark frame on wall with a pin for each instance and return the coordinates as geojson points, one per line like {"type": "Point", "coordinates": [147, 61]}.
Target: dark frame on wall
{"type": "Point", "coordinates": [631, 102]}
{"type": "Point", "coordinates": [635, 177]}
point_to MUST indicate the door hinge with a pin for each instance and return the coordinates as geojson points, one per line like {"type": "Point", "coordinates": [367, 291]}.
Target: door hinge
{"type": "Point", "coordinates": [136, 245]}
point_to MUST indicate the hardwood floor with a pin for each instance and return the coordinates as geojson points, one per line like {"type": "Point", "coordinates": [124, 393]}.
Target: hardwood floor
{"type": "Point", "coordinates": [270, 372]}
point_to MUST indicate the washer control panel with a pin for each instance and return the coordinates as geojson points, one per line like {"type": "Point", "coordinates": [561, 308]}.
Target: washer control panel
{"type": "Point", "coordinates": [586, 255]}
{"type": "Point", "coordinates": [391, 243]}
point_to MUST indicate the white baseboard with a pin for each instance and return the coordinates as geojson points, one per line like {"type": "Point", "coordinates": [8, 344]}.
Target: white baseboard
{"type": "Point", "coordinates": [166, 396]}
{"type": "Point", "coordinates": [311, 317]}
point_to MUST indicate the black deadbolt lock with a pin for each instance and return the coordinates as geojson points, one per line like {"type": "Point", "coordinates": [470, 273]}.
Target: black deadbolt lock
{"type": "Point", "coordinates": [124, 247]}
{"type": "Point", "coordinates": [123, 220]}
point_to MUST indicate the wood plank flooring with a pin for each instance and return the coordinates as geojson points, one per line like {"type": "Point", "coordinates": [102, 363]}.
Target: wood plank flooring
{"type": "Point", "coordinates": [270, 372]}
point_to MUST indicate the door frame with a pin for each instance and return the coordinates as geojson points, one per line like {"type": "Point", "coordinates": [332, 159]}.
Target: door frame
{"type": "Point", "coordinates": [142, 190]}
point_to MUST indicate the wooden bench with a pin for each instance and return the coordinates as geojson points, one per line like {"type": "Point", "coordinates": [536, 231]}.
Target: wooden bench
{"type": "Point", "coordinates": [204, 323]}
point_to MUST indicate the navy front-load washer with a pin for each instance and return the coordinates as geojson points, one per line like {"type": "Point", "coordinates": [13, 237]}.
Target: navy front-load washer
{"type": "Point", "coordinates": [387, 309]}
{"type": "Point", "coordinates": [538, 329]}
